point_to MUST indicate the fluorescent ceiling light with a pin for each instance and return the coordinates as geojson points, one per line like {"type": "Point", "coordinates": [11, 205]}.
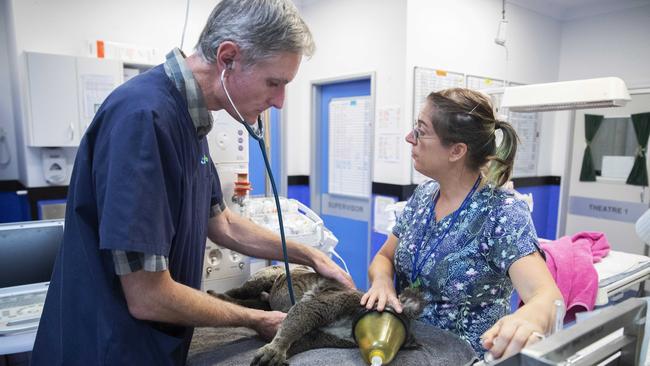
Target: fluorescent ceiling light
{"type": "Point", "coordinates": [566, 95]}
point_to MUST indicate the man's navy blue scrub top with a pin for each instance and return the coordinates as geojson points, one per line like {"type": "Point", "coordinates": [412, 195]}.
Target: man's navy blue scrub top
{"type": "Point", "coordinates": [143, 181]}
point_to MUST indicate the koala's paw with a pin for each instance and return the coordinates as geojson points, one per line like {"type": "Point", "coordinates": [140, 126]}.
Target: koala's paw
{"type": "Point", "coordinates": [412, 302]}
{"type": "Point", "coordinates": [269, 356]}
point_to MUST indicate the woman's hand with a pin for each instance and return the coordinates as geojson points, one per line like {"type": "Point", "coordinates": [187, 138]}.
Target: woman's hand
{"type": "Point", "coordinates": [383, 292]}
{"type": "Point", "coordinates": [530, 322]}
{"type": "Point", "coordinates": [509, 335]}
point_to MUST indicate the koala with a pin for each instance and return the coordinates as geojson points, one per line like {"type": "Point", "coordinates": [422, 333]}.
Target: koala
{"type": "Point", "coordinates": [322, 317]}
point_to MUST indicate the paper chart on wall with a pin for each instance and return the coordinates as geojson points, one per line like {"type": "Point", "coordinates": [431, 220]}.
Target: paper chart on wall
{"type": "Point", "coordinates": [94, 89]}
{"type": "Point", "coordinates": [389, 137]}
{"type": "Point", "coordinates": [350, 127]}
{"type": "Point", "coordinates": [526, 125]}
{"type": "Point", "coordinates": [482, 83]}
{"type": "Point", "coordinates": [486, 84]}
{"type": "Point", "coordinates": [388, 118]}
{"type": "Point", "coordinates": [425, 81]}
{"type": "Point", "coordinates": [388, 147]}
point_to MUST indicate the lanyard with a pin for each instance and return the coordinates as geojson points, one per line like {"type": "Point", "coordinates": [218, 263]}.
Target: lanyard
{"type": "Point", "coordinates": [417, 269]}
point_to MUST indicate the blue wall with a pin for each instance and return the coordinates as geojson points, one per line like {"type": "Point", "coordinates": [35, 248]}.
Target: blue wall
{"type": "Point", "coordinates": [14, 207]}
{"type": "Point", "coordinates": [299, 193]}
{"type": "Point", "coordinates": [546, 200]}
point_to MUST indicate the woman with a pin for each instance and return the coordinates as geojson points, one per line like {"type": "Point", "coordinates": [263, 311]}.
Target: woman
{"type": "Point", "coordinates": [462, 239]}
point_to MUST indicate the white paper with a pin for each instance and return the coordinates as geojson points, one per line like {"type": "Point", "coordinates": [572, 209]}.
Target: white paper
{"type": "Point", "coordinates": [382, 216]}
{"type": "Point", "coordinates": [95, 88]}
{"type": "Point", "coordinates": [526, 125]}
{"type": "Point", "coordinates": [388, 119]}
{"type": "Point", "coordinates": [388, 147]}
{"type": "Point", "coordinates": [481, 83]}
{"type": "Point", "coordinates": [350, 127]}
{"type": "Point", "coordinates": [431, 80]}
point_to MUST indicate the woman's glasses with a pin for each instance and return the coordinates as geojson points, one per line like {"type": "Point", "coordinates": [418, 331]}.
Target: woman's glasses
{"type": "Point", "coordinates": [418, 134]}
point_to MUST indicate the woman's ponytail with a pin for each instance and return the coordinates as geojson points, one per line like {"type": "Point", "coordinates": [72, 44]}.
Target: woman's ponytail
{"type": "Point", "coordinates": [503, 161]}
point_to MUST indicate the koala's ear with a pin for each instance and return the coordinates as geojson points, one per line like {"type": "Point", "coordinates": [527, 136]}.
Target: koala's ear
{"type": "Point", "coordinates": [412, 303]}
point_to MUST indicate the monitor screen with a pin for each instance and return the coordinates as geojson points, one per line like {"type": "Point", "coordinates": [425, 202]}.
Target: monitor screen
{"type": "Point", "coordinates": [28, 252]}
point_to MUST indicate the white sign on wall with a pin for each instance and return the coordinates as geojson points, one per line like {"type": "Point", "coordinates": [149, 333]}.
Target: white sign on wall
{"type": "Point", "coordinates": [606, 209]}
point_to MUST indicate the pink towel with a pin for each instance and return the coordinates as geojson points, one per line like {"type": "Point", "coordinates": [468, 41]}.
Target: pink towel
{"type": "Point", "coordinates": [571, 262]}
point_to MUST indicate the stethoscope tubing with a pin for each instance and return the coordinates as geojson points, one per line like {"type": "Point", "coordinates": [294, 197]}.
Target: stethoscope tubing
{"type": "Point", "coordinates": [259, 137]}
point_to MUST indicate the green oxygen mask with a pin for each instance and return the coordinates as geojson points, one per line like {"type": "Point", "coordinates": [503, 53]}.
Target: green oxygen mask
{"type": "Point", "coordinates": [379, 335]}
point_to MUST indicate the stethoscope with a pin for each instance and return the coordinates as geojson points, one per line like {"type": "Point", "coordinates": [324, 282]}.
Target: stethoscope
{"type": "Point", "coordinates": [258, 135]}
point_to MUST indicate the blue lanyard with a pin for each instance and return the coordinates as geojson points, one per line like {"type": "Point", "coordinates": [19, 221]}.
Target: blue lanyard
{"type": "Point", "coordinates": [417, 269]}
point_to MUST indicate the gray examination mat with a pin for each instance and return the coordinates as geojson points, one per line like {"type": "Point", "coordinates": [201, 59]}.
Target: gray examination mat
{"type": "Point", "coordinates": [237, 346]}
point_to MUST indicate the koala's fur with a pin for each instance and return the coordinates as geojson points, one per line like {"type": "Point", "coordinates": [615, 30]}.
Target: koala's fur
{"type": "Point", "coordinates": [322, 316]}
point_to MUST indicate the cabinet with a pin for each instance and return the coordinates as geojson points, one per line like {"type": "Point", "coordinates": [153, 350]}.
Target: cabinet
{"type": "Point", "coordinates": [64, 92]}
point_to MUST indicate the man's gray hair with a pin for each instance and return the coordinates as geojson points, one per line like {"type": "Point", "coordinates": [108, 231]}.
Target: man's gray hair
{"type": "Point", "coordinates": [261, 28]}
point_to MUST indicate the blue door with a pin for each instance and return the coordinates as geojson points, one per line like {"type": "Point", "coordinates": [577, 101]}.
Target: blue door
{"type": "Point", "coordinates": [353, 233]}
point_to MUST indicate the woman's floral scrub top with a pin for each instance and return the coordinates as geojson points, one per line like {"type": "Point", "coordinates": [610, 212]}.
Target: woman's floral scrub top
{"type": "Point", "coordinates": [465, 281]}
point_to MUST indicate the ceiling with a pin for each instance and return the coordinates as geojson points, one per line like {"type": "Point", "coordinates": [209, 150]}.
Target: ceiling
{"type": "Point", "coordinates": [557, 9]}
{"type": "Point", "coordinates": [574, 9]}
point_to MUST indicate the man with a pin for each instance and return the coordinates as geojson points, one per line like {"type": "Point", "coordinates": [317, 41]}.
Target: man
{"type": "Point", "coordinates": [144, 195]}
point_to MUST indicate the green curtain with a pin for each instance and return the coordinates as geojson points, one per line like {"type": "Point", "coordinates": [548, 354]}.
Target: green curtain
{"type": "Point", "coordinates": [639, 174]}
{"type": "Point", "coordinates": [592, 123]}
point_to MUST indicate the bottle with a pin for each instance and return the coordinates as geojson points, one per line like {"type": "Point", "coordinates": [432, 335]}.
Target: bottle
{"type": "Point", "coordinates": [379, 336]}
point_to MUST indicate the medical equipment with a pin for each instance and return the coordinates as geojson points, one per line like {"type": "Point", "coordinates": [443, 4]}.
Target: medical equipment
{"type": "Point", "coordinates": [576, 94]}
{"type": "Point", "coordinates": [614, 336]}
{"type": "Point", "coordinates": [500, 38]}
{"type": "Point", "coordinates": [379, 336]}
{"type": "Point", "coordinates": [224, 269]}
{"type": "Point", "coordinates": [259, 137]}
{"type": "Point", "coordinates": [302, 225]}
{"type": "Point", "coordinates": [27, 254]}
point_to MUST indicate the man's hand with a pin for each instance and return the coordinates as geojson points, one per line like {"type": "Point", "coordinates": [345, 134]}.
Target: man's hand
{"type": "Point", "coordinates": [267, 323]}
{"type": "Point", "coordinates": [326, 267]}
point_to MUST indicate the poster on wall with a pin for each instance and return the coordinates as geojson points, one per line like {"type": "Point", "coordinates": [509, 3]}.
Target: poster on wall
{"type": "Point", "coordinates": [389, 141]}
{"type": "Point", "coordinates": [482, 83]}
{"type": "Point", "coordinates": [94, 90]}
{"type": "Point", "coordinates": [425, 81]}
{"type": "Point", "coordinates": [350, 127]}
{"type": "Point", "coordinates": [527, 126]}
